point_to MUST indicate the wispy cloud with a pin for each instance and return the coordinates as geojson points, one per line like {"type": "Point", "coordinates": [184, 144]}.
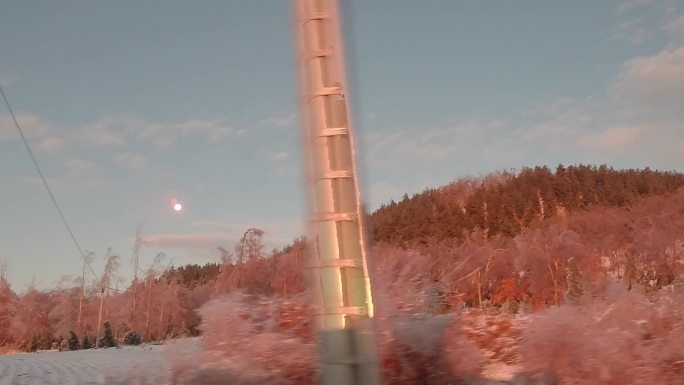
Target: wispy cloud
{"type": "Point", "coordinates": [33, 126]}
{"type": "Point", "coordinates": [115, 131]}
{"type": "Point", "coordinates": [676, 27]}
{"type": "Point", "coordinates": [216, 225]}
{"type": "Point", "coordinates": [70, 146]}
{"type": "Point", "coordinates": [52, 145]}
{"type": "Point", "coordinates": [56, 184]}
{"type": "Point", "coordinates": [104, 132]}
{"type": "Point", "coordinates": [280, 121]}
{"type": "Point", "coordinates": [278, 156]}
{"type": "Point", "coordinates": [634, 32]}
{"type": "Point", "coordinates": [413, 147]}
{"type": "Point", "coordinates": [594, 130]}
{"type": "Point", "coordinates": [628, 5]}
{"type": "Point", "coordinates": [275, 233]}
{"type": "Point", "coordinates": [45, 139]}
{"type": "Point", "coordinates": [6, 79]}
{"type": "Point", "coordinates": [78, 167]}
{"type": "Point", "coordinates": [133, 161]}
{"type": "Point", "coordinates": [641, 109]}
{"type": "Point", "coordinates": [190, 242]}
{"type": "Point", "coordinates": [67, 183]}
{"type": "Point", "coordinates": [281, 165]}
{"type": "Point", "coordinates": [618, 138]}
{"type": "Point", "coordinates": [213, 131]}
{"type": "Point", "coordinates": [206, 242]}
{"type": "Point", "coordinates": [653, 83]}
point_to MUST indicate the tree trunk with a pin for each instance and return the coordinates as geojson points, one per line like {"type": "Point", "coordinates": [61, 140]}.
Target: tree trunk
{"type": "Point", "coordinates": [147, 315]}
{"type": "Point", "coordinates": [479, 289]}
{"type": "Point", "coordinates": [161, 317]}
{"type": "Point", "coordinates": [555, 281]}
{"type": "Point", "coordinates": [80, 301]}
{"type": "Point", "coordinates": [135, 302]}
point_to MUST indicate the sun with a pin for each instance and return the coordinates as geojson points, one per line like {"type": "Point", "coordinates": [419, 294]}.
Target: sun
{"type": "Point", "coordinates": [177, 207]}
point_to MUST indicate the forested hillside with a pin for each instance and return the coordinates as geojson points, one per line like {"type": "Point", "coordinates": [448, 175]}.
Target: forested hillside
{"type": "Point", "coordinates": [509, 242]}
{"type": "Point", "coordinates": [505, 203]}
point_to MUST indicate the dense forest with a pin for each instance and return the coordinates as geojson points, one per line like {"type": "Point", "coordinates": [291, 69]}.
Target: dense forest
{"type": "Point", "coordinates": [507, 202]}
{"type": "Point", "coordinates": [511, 242]}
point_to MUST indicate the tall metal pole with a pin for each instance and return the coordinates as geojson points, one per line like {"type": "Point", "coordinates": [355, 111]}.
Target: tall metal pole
{"type": "Point", "coordinates": [344, 305]}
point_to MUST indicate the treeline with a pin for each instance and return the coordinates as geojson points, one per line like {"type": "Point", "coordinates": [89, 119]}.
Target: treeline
{"type": "Point", "coordinates": [588, 237]}
{"type": "Point", "coordinates": [159, 304]}
{"type": "Point", "coordinates": [505, 203]}
{"type": "Point", "coordinates": [191, 275]}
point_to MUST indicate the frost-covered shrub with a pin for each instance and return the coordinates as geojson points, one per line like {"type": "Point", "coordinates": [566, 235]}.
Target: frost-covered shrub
{"type": "Point", "coordinates": [271, 341]}
{"type": "Point", "coordinates": [132, 338]}
{"type": "Point", "coordinates": [414, 345]}
{"type": "Point", "coordinates": [629, 340]}
{"type": "Point", "coordinates": [253, 341]}
{"type": "Point", "coordinates": [427, 349]}
{"type": "Point", "coordinates": [401, 283]}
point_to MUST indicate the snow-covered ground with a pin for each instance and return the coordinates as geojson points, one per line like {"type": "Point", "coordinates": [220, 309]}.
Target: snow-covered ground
{"type": "Point", "coordinates": [148, 364]}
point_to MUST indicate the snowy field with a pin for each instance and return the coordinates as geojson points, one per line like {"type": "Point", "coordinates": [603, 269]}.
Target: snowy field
{"type": "Point", "coordinates": [147, 364]}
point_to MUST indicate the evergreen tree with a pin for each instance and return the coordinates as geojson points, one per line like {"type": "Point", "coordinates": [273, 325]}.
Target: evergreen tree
{"type": "Point", "coordinates": [72, 341]}
{"type": "Point", "coordinates": [107, 341]}
{"type": "Point", "coordinates": [88, 342]}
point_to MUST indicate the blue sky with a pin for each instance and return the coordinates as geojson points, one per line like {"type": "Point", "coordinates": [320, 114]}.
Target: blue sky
{"type": "Point", "coordinates": [130, 104]}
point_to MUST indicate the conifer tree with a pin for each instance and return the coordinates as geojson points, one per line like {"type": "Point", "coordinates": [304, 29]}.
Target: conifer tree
{"type": "Point", "coordinates": [87, 342]}
{"type": "Point", "coordinates": [72, 341]}
{"type": "Point", "coordinates": [107, 341]}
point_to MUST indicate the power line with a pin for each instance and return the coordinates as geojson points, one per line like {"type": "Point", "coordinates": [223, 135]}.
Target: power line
{"type": "Point", "coordinates": [45, 183]}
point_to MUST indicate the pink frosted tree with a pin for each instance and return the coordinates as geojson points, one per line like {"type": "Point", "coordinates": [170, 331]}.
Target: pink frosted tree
{"type": "Point", "coordinates": [30, 325]}
{"type": "Point", "coordinates": [8, 303]}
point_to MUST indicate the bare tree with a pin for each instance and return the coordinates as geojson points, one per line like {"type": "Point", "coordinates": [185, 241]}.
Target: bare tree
{"type": "Point", "coordinates": [87, 259]}
{"type": "Point", "coordinates": [250, 245]}
{"type": "Point", "coordinates": [3, 270]}
{"type": "Point", "coordinates": [108, 277]}
{"type": "Point", "coordinates": [150, 277]}
{"type": "Point", "coordinates": [249, 254]}
{"type": "Point", "coordinates": [8, 300]}
{"type": "Point", "coordinates": [138, 244]}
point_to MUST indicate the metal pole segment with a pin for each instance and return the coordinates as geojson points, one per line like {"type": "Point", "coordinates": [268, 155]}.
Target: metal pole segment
{"type": "Point", "coordinates": [338, 266]}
